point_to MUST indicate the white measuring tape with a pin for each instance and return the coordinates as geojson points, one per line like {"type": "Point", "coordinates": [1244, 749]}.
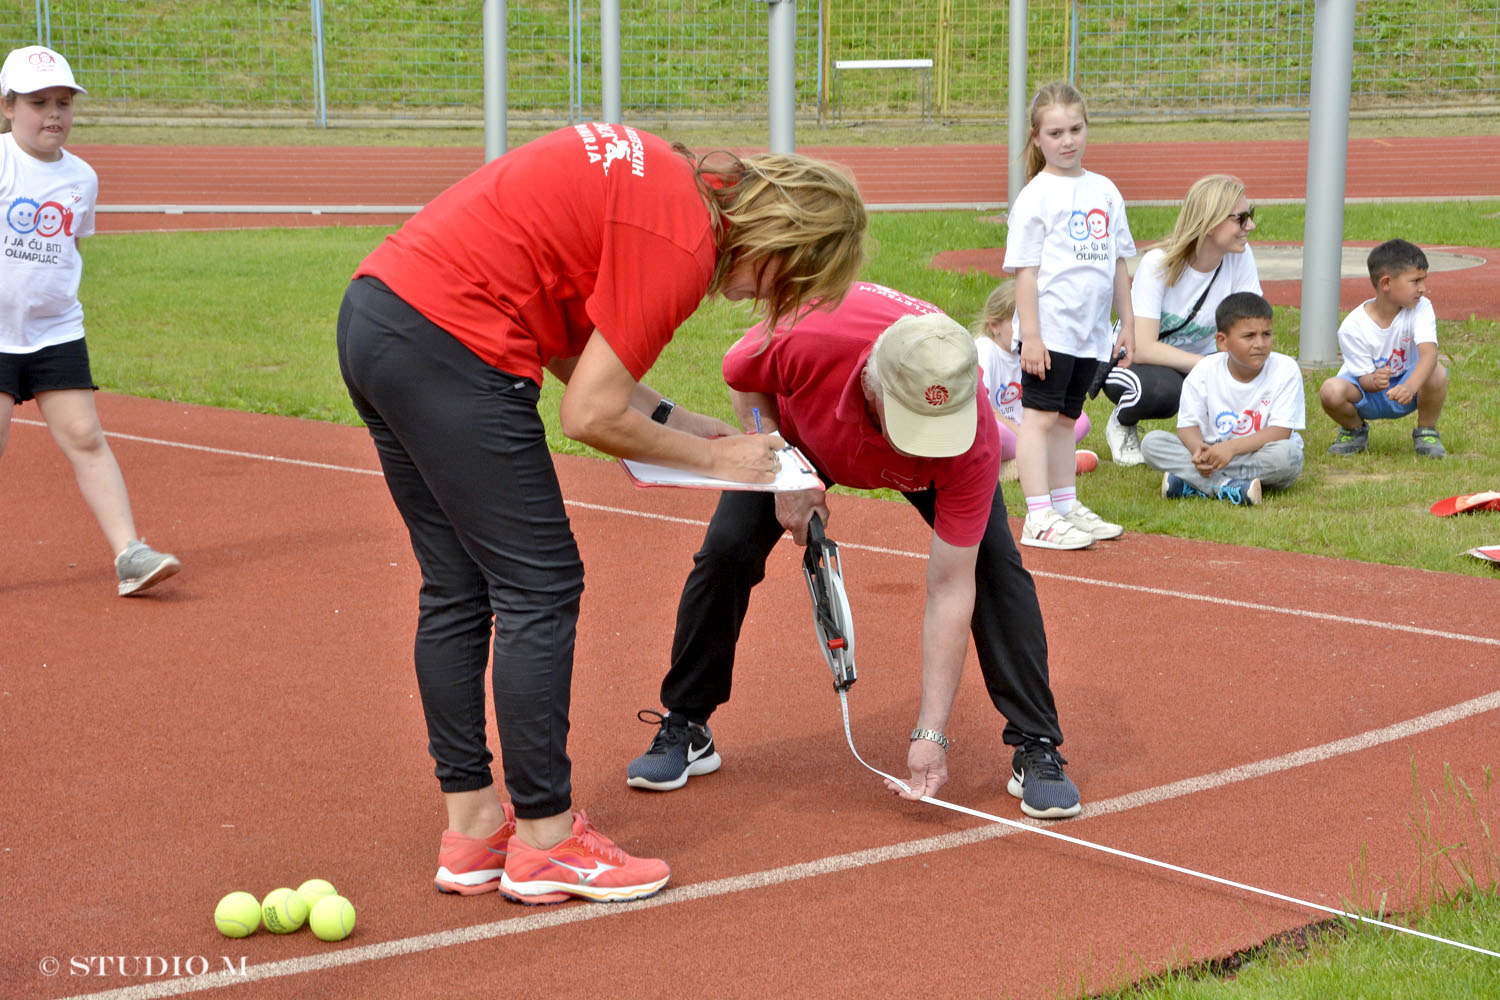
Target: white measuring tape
{"type": "Point", "coordinates": [844, 701]}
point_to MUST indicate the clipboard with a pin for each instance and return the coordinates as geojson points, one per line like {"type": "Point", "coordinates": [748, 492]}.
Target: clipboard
{"type": "Point", "coordinates": [793, 474]}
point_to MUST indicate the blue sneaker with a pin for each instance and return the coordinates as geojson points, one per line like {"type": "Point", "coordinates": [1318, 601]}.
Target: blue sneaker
{"type": "Point", "coordinates": [680, 750]}
{"type": "Point", "coordinates": [1240, 492]}
{"type": "Point", "coordinates": [1175, 488]}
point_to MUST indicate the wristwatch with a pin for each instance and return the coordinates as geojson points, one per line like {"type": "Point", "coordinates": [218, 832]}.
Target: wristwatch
{"type": "Point", "coordinates": [930, 734]}
{"type": "Point", "coordinates": [663, 410]}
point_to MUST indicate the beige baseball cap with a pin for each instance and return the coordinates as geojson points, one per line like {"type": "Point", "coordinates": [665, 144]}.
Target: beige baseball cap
{"type": "Point", "coordinates": [34, 68]}
{"type": "Point", "coordinates": [929, 369]}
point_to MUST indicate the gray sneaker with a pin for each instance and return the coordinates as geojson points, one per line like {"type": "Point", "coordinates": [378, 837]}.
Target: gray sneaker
{"type": "Point", "coordinates": [1426, 442]}
{"type": "Point", "coordinates": [1351, 440]}
{"type": "Point", "coordinates": [1038, 780]}
{"type": "Point", "coordinates": [140, 567]}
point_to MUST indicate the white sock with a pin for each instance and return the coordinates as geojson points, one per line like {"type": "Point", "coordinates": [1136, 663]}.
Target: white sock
{"type": "Point", "coordinates": [1063, 499]}
{"type": "Point", "coordinates": [1034, 504]}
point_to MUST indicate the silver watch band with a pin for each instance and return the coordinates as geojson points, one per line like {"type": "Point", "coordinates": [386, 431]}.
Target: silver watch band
{"type": "Point", "coordinates": [930, 734]}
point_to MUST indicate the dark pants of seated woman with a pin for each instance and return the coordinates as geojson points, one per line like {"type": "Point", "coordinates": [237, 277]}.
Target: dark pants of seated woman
{"type": "Point", "coordinates": [1144, 392]}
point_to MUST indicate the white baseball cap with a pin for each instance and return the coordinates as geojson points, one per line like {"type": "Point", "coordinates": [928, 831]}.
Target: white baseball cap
{"type": "Point", "coordinates": [34, 68]}
{"type": "Point", "coordinates": [929, 369]}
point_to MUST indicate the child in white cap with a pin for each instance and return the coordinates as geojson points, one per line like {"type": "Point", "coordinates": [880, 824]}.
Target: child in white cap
{"type": "Point", "coordinates": [47, 195]}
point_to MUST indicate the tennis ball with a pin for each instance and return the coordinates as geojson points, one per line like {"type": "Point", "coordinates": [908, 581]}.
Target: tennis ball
{"type": "Point", "coordinates": [237, 915]}
{"type": "Point", "coordinates": [283, 911]}
{"type": "Point", "coordinates": [332, 919]}
{"type": "Point", "coordinates": [313, 890]}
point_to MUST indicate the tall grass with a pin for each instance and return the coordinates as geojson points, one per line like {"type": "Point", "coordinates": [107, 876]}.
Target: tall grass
{"type": "Point", "coordinates": [708, 58]}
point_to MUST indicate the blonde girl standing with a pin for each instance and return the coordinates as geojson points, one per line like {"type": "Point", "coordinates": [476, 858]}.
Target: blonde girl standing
{"type": "Point", "coordinates": [1067, 245]}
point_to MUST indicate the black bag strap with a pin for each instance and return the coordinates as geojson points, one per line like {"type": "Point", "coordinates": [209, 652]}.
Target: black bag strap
{"type": "Point", "coordinates": [1196, 305]}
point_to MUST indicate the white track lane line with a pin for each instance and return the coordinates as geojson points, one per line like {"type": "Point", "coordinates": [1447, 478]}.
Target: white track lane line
{"type": "Point", "coordinates": [836, 863]}
{"type": "Point", "coordinates": [1067, 578]}
{"type": "Point", "coordinates": [577, 912]}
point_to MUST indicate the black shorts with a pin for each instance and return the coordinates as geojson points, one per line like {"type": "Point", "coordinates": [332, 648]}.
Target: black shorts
{"type": "Point", "coordinates": [61, 366]}
{"type": "Point", "coordinates": [1065, 387]}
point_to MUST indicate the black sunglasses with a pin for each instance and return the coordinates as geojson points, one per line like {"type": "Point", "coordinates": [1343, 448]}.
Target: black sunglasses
{"type": "Point", "coordinates": [1244, 217]}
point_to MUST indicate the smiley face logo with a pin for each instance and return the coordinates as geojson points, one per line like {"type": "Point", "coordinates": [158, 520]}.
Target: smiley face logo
{"type": "Point", "coordinates": [1078, 226]}
{"type": "Point", "coordinates": [1098, 224]}
{"type": "Point", "coordinates": [1009, 393]}
{"type": "Point", "coordinates": [22, 215]}
{"type": "Point", "coordinates": [50, 219]}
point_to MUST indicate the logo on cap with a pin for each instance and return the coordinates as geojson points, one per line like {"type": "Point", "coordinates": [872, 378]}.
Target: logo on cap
{"type": "Point", "coordinates": [42, 60]}
{"type": "Point", "coordinates": [936, 395]}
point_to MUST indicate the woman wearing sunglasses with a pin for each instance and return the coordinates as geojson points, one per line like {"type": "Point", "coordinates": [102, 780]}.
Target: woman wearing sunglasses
{"type": "Point", "coordinates": [1175, 292]}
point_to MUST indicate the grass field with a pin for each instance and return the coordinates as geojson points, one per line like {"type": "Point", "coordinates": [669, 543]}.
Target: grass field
{"type": "Point", "coordinates": [245, 320]}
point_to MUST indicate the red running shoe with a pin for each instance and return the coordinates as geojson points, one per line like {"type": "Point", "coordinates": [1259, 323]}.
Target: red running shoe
{"type": "Point", "coordinates": [587, 864]}
{"type": "Point", "coordinates": [471, 865]}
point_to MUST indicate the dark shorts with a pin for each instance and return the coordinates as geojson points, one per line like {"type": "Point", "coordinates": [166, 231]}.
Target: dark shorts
{"type": "Point", "coordinates": [61, 366]}
{"type": "Point", "coordinates": [1065, 387]}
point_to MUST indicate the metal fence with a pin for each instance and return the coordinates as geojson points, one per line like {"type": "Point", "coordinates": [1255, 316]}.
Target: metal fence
{"type": "Point", "coordinates": [681, 60]}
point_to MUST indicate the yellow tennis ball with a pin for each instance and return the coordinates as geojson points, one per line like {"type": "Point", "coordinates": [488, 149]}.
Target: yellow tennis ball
{"type": "Point", "coordinates": [313, 890]}
{"type": "Point", "coordinates": [332, 919]}
{"type": "Point", "coordinates": [283, 911]}
{"type": "Point", "coordinates": [237, 915]}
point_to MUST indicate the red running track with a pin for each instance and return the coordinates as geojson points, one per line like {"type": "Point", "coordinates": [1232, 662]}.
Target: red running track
{"type": "Point", "coordinates": [973, 174]}
{"type": "Point", "coordinates": [252, 722]}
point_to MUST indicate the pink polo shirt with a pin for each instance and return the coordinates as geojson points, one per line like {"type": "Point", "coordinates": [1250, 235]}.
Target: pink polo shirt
{"type": "Point", "coordinates": [813, 369]}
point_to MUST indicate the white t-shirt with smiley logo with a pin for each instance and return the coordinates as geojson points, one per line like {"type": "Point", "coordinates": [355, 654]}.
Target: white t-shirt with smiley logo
{"type": "Point", "coordinates": [1222, 407]}
{"type": "Point", "coordinates": [46, 206]}
{"type": "Point", "coordinates": [1366, 345]}
{"type": "Point", "coordinates": [1072, 230]}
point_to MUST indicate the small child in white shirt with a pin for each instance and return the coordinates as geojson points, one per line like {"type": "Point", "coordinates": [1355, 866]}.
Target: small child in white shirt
{"type": "Point", "coordinates": [1240, 414]}
{"type": "Point", "coordinates": [1000, 362]}
{"type": "Point", "coordinates": [1391, 366]}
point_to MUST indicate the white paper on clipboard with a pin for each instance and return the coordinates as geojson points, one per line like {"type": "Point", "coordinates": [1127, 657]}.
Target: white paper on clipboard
{"type": "Point", "coordinates": [793, 473]}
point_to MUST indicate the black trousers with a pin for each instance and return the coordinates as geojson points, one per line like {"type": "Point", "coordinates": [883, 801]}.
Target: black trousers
{"type": "Point", "coordinates": [465, 457]}
{"type": "Point", "coordinates": [1007, 625]}
{"type": "Point", "coordinates": [1144, 392]}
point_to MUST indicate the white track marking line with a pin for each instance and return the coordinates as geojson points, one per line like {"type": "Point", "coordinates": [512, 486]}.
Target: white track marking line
{"type": "Point", "coordinates": [578, 913]}
{"type": "Point", "coordinates": [854, 546]}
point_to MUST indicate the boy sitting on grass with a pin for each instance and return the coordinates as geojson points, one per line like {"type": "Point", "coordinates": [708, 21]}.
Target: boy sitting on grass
{"type": "Point", "coordinates": [1391, 367]}
{"type": "Point", "coordinates": [1240, 414]}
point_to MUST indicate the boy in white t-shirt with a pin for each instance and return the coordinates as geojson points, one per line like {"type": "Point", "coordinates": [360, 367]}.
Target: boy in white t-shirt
{"type": "Point", "coordinates": [1391, 366]}
{"type": "Point", "coordinates": [1240, 414]}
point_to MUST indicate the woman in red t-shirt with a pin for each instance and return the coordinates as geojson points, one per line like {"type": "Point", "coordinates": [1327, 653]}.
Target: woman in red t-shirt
{"type": "Point", "coordinates": [579, 253]}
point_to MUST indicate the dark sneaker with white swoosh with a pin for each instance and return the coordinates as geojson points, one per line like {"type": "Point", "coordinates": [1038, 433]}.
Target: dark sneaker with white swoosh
{"type": "Point", "coordinates": [680, 749]}
{"type": "Point", "coordinates": [1038, 780]}
{"type": "Point", "coordinates": [587, 864]}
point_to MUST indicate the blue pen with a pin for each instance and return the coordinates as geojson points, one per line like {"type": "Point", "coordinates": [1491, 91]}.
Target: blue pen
{"type": "Point", "coordinates": [755, 410]}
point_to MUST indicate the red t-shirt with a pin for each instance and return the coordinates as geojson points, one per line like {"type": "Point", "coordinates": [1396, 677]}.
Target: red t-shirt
{"type": "Point", "coordinates": [591, 227]}
{"type": "Point", "coordinates": [813, 369]}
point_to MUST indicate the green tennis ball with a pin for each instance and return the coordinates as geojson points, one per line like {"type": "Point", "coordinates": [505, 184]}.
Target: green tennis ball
{"type": "Point", "coordinates": [237, 915]}
{"type": "Point", "coordinates": [283, 911]}
{"type": "Point", "coordinates": [313, 890]}
{"type": "Point", "coordinates": [332, 919]}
